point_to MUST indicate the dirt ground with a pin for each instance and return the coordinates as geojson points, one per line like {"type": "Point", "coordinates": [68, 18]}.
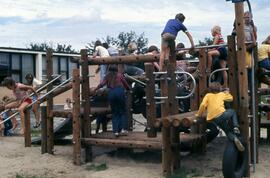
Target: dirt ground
{"type": "Point", "coordinates": [17, 160]}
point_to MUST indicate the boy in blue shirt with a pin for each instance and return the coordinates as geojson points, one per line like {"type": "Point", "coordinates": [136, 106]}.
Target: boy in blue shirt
{"type": "Point", "coordinates": [169, 34]}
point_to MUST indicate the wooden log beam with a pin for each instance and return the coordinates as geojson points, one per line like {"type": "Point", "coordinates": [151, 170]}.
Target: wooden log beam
{"type": "Point", "coordinates": [150, 101]}
{"type": "Point", "coordinates": [123, 143]}
{"type": "Point", "coordinates": [50, 143]}
{"type": "Point", "coordinates": [119, 59]}
{"type": "Point", "coordinates": [264, 107]}
{"type": "Point", "coordinates": [184, 119]}
{"type": "Point", "coordinates": [264, 91]}
{"type": "Point", "coordinates": [63, 114]}
{"type": "Point", "coordinates": [76, 123]}
{"type": "Point", "coordinates": [27, 128]}
{"type": "Point", "coordinates": [86, 124]}
{"type": "Point", "coordinates": [242, 77]}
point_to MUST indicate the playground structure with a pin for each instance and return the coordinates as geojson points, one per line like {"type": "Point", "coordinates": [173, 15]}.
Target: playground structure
{"type": "Point", "coordinates": [168, 141]}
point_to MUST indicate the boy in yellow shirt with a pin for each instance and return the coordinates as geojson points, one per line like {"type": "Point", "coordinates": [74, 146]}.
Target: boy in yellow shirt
{"type": "Point", "coordinates": [213, 102]}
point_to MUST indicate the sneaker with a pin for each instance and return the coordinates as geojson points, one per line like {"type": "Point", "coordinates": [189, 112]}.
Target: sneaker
{"type": "Point", "coordinates": [238, 144]}
{"type": "Point", "coordinates": [236, 130]}
{"type": "Point", "coordinates": [124, 132]}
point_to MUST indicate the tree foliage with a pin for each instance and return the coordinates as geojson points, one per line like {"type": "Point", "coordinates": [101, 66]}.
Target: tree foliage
{"type": "Point", "coordinates": [121, 41]}
{"type": "Point", "coordinates": [60, 48]}
{"type": "Point", "coordinates": [205, 42]}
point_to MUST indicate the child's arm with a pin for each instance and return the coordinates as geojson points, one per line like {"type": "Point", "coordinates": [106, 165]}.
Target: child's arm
{"type": "Point", "coordinates": [26, 88]}
{"type": "Point", "coordinates": [190, 39]}
{"type": "Point", "coordinates": [202, 107]}
{"type": "Point", "coordinates": [216, 38]}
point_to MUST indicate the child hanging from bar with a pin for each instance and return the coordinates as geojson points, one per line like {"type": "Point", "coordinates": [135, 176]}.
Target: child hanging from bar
{"type": "Point", "coordinates": [22, 98]}
{"type": "Point", "coordinates": [220, 52]}
{"type": "Point", "coordinates": [169, 34]}
{"type": "Point", "coordinates": [213, 102]}
{"type": "Point", "coordinates": [116, 84]}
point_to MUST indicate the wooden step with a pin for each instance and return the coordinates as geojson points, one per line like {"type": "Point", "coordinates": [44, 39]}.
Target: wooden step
{"type": "Point", "coordinates": [137, 140]}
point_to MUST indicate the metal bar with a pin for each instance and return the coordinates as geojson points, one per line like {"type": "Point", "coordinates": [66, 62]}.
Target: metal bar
{"type": "Point", "coordinates": [194, 85]}
{"type": "Point", "coordinates": [28, 106]}
{"type": "Point", "coordinates": [217, 70]}
{"type": "Point", "coordinates": [134, 79]}
{"type": "Point", "coordinates": [160, 72]}
{"type": "Point", "coordinates": [38, 90]}
{"type": "Point", "coordinates": [253, 112]}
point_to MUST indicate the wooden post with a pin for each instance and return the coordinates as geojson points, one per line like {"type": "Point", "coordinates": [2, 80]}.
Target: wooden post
{"type": "Point", "coordinates": [86, 123]}
{"type": "Point", "coordinates": [76, 117]}
{"type": "Point", "coordinates": [203, 77]}
{"type": "Point", "coordinates": [43, 110]}
{"type": "Point", "coordinates": [232, 64]}
{"type": "Point", "coordinates": [173, 107]}
{"type": "Point", "coordinates": [27, 128]}
{"type": "Point", "coordinates": [50, 144]}
{"type": "Point", "coordinates": [242, 75]}
{"type": "Point", "coordinates": [129, 111]}
{"type": "Point", "coordinates": [150, 101]}
{"type": "Point", "coordinates": [166, 134]}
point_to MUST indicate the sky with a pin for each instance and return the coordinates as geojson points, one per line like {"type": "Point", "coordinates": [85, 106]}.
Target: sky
{"type": "Point", "coordinates": [78, 22]}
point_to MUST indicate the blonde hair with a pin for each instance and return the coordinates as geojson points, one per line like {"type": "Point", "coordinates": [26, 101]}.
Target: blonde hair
{"type": "Point", "coordinates": [216, 29]}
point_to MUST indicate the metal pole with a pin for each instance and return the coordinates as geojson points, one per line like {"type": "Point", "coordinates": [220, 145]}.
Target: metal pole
{"type": "Point", "coordinates": [194, 85]}
{"type": "Point", "coordinates": [38, 90]}
{"type": "Point", "coordinates": [253, 112]}
{"type": "Point", "coordinates": [134, 79]}
{"type": "Point", "coordinates": [37, 100]}
{"type": "Point", "coordinates": [217, 70]}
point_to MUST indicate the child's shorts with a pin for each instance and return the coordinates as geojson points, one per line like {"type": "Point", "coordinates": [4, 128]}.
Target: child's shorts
{"type": "Point", "coordinates": [34, 98]}
{"type": "Point", "coordinates": [222, 53]}
{"type": "Point", "coordinates": [28, 100]}
{"type": "Point", "coordinates": [167, 39]}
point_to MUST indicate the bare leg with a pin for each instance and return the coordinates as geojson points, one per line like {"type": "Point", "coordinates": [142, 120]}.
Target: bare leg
{"type": "Point", "coordinates": [224, 73]}
{"type": "Point", "coordinates": [21, 111]}
{"type": "Point", "coordinates": [210, 56]}
{"type": "Point", "coordinates": [11, 105]}
{"type": "Point", "coordinates": [35, 108]}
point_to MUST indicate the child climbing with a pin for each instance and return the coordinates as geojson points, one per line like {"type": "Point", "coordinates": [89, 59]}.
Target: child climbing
{"type": "Point", "coordinates": [31, 81]}
{"type": "Point", "coordinates": [116, 84]}
{"type": "Point", "coordinates": [22, 98]}
{"type": "Point", "coordinates": [169, 34]}
{"type": "Point", "coordinates": [220, 52]}
{"type": "Point", "coordinates": [213, 102]}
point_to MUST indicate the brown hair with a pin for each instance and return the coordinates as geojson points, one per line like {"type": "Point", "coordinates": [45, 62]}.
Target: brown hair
{"type": "Point", "coordinates": [180, 17]}
{"type": "Point", "coordinates": [8, 81]}
{"type": "Point", "coordinates": [112, 74]}
{"type": "Point", "coordinates": [214, 87]}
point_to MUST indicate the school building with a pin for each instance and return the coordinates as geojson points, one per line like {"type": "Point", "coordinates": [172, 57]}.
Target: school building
{"type": "Point", "coordinates": [17, 62]}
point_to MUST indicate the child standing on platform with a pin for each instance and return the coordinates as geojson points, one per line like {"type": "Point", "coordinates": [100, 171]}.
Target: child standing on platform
{"type": "Point", "coordinates": [116, 84]}
{"type": "Point", "coordinates": [169, 34]}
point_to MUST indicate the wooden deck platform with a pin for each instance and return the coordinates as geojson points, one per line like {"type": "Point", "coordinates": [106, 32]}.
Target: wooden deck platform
{"type": "Point", "coordinates": [135, 140]}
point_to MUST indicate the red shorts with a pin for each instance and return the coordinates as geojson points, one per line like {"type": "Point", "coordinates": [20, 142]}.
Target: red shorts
{"type": "Point", "coordinates": [28, 100]}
